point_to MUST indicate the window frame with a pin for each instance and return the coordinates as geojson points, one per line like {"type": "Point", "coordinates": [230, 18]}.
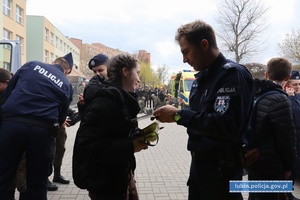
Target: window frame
{"type": "Point", "coordinates": [19, 16]}
{"type": "Point", "coordinates": [46, 35]}
{"type": "Point", "coordinates": [7, 8]}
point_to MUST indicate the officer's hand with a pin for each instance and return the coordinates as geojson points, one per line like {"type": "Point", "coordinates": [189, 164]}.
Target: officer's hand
{"type": "Point", "coordinates": [252, 156]}
{"type": "Point", "coordinates": [66, 123]}
{"type": "Point", "coordinates": [165, 113]}
{"type": "Point", "coordinates": [139, 144]}
{"type": "Point", "coordinates": [290, 91]}
{"type": "Point", "coordinates": [80, 99]}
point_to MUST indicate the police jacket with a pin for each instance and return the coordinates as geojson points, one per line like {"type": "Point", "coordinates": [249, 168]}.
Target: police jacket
{"type": "Point", "coordinates": [274, 131]}
{"type": "Point", "coordinates": [220, 101]}
{"type": "Point", "coordinates": [103, 154]}
{"type": "Point", "coordinates": [295, 101]}
{"type": "Point", "coordinates": [40, 91]}
{"type": "Point", "coordinates": [96, 81]}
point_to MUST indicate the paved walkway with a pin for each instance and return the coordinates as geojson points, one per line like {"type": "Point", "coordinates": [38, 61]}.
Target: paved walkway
{"type": "Point", "coordinates": [161, 172]}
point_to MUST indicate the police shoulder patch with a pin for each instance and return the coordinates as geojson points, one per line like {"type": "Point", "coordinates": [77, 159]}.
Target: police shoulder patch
{"type": "Point", "coordinates": [222, 104]}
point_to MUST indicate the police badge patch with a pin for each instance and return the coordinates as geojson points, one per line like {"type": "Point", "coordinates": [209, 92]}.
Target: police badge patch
{"type": "Point", "coordinates": [222, 104]}
{"type": "Point", "coordinates": [93, 63]}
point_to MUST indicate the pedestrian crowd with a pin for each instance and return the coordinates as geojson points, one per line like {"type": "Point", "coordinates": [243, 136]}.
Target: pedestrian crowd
{"type": "Point", "coordinates": [35, 113]}
{"type": "Point", "coordinates": [151, 99]}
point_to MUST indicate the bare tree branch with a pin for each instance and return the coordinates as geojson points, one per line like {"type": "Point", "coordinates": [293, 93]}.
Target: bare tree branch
{"type": "Point", "coordinates": [290, 46]}
{"type": "Point", "coordinates": [241, 24]}
{"type": "Point", "coordinates": [162, 74]}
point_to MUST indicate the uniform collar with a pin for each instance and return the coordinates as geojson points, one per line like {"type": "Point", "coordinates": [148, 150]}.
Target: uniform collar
{"type": "Point", "coordinates": [59, 67]}
{"type": "Point", "coordinates": [217, 63]}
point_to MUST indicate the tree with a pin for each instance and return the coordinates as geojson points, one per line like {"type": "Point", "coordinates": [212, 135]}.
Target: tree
{"type": "Point", "coordinates": [296, 67]}
{"type": "Point", "coordinates": [162, 74]}
{"type": "Point", "coordinates": [241, 24]}
{"type": "Point", "coordinates": [290, 46]}
{"type": "Point", "coordinates": [147, 75]}
{"type": "Point", "coordinates": [256, 69]}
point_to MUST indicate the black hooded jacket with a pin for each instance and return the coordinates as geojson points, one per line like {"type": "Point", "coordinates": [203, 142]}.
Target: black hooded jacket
{"type": "Point", "coordinates": [274, 132]}
{"type": "Point", "coordinates": [103, 154]}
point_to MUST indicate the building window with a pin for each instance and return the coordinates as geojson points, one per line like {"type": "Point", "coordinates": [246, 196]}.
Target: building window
{"type": "Point", "coordinates": [61, 45]}
{"type": "Point", "coordinates": [56, 42]}
{"type": "Point", "coordinates": [46, 34]}
{"type": "Point", "coordinates": [21, 41]}
{"type": "Point", "coordinates": [7, 7]}
{"type": "Point", "coordinates": [46, 56]}
{"type": "Point", "coordinates": [6, 34]}
{"type": "Point", "coordinates": [19, 15]}
{"type": "Point", "coordinates": [52, 38]}
{"type": "Point", "coordinates": [6, 65]}
{"type": "Point", "coordinates": [52, 57]}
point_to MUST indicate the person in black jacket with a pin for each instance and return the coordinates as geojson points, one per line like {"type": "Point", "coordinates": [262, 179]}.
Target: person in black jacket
{"type": "Point", "coordinates": [103, 154]}
{"type": "Point", "coordinates": [220, 103]}
{"type": "Point", "coordinates": [292, 88]}
{"type": "Point", "coordinates": [274, 152]}
{"type": "Point", "coordinates": [98, 65]}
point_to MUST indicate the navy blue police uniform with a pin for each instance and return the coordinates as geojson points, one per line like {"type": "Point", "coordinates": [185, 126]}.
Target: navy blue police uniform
{"type": "Point", "coordinates": [295, 102]}
{"type": "Point", "coordinates": [220, 101]}
{"type": "Point", "coordinates": [38, 96]}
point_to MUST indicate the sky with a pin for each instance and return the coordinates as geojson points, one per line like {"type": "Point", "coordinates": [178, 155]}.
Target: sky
{"type": "Point", "coordinates": [132, 25]}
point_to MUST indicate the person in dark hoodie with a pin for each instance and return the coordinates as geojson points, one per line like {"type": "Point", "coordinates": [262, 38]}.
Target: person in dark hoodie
{"type": "Point", "coordinates": [103, 154]}
{"type": "Point", "coordinates": [5, 76]}
{"type": "Point", "coordinates": [273, 151]}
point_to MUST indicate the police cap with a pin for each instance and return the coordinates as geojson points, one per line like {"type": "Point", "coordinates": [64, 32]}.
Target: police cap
{"type": "Point", "coordinates": [69, 58]}
{"type": "Point", "coordinates": [295, 75]}
{"type": "Point", "coordinates": [99, 59]}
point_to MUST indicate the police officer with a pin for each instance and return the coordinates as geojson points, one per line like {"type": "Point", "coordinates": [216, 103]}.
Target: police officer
{"type": "Point", "coordinates": [220, 102]}
{"type": "Point", "coordinates": [98, 64]}
{"type": "Point", "coordinates": [292, 88]}
{"type": "Point", "coordinates": [38, 97]}
{"type": "Point", "coordinates": [59, 151]}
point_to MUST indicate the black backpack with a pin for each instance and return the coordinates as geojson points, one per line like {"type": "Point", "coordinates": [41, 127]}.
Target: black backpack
{"type": "Point", "coordinates": [251, 124]}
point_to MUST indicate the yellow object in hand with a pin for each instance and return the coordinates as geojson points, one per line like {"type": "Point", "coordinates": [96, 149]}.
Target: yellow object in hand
{"type": "Point", "coordinates": [151, 137]}
{"type": "Point", "coordinates": [154, 127]}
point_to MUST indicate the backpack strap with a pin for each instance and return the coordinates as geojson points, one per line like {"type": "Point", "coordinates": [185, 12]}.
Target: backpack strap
{"type": "Point", "coordinates": [259, 97]}
{"type": "Point", "coordinates": [250, 127]}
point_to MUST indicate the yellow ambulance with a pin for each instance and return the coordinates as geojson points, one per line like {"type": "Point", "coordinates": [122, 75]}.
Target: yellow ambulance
{"type": "Point", "coordinates": [180, 85]}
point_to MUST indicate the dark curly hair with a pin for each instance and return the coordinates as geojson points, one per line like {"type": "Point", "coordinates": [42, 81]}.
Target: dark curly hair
{"type": "Point", "coordinates": [5, 75]}
{"type": "Point", "coordinates": [115, 65]}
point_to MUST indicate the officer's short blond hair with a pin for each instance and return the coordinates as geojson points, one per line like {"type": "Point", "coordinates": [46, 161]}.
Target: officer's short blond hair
{"type": "Point", "coordinates": [63, 63]}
